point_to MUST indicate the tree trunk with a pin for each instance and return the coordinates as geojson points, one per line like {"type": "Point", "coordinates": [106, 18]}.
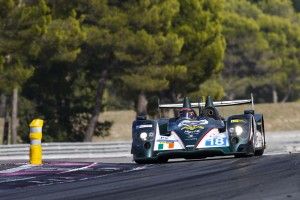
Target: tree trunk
{"type": "Point", "coordinates": [3, 105]}
{"type": "Point", "coordinates": [142, 104]}
{"type": "Point", "coordinates": [6, 135]}
{"type": "Point", "coordinates": [96, 113]}
{"type": "Point", "coordinates": [231, 96]}
{"type": "Point", "coordinates": [275, 95]}
{"type": "Point", "coordinates": [287, 94]}
{"type": "Point", "coordinates": [14, 116]}
{"type": "Point", "coordinates": [2, 116]}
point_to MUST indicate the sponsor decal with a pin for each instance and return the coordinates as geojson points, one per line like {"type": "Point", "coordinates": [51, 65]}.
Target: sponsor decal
{"type": "Point", "coordinates": [203, 122]}
{"type": "Point", "coordinates": [166, 141]}
{"type": "Point", "coordinates": [191, 134]}
{"type": "Point", "coordinates": [238, 121]}
{"type": "Point", "coordinates": [192, 127]}
{"type": "Point", "coordinates": [192, 123]}
{"type": "Point", "coordinates": [145, 126]}
{"type": "Point", "coordinates": [163, 138]}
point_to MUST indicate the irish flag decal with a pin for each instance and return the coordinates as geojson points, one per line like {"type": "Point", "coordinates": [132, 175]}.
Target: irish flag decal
{"type": "Point", "coordinates": [162, 146]}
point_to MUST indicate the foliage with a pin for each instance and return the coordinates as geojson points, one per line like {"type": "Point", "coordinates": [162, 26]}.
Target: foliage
{"type": "Point", "coordinates": [262, 49]}
{"type": "Point", "coordinates": [58, 51]}
{"type": "Point", "coordinates": [194, 55]}
{"type": "Point", "coordinates": [20, 29]}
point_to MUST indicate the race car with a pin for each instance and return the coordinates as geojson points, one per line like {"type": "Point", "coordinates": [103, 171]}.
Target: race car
{"type": "Point", "coordinates": [191, 136]}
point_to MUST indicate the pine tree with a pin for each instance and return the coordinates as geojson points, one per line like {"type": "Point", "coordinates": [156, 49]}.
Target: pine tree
{"type": "Point", "coordinates": [21, 25]}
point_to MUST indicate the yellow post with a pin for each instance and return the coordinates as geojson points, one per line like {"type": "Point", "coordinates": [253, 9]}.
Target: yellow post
{"type": "Point", "coordinates": [35, 141]}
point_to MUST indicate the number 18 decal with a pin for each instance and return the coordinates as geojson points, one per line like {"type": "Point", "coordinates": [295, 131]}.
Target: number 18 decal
{"type": "Point", "coordinates": [216, 141]}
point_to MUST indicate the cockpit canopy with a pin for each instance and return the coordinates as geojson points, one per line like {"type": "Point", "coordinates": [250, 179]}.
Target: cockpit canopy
{"type": "Point", "coordinates": [187, 113]}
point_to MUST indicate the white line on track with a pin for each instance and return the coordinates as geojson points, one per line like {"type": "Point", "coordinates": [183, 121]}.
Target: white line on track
{"type": "Point", "coordinates": [121, 172]}
{"type": "Point", "coordinates": [78, 169]}
{"type": "Point", "coordinates": [279, 153]}
{"type": "Point", "coordinates": [15, 169]}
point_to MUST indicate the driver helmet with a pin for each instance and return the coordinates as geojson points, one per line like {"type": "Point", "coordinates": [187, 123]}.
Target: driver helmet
{"type": "Point", "coordinates": [187, 113]}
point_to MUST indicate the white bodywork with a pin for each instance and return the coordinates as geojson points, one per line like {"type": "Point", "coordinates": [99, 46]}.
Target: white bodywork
{"type": "Point", "coordinates": [171, 142]}
{"type": "Point", "coordinates": [214, 139]}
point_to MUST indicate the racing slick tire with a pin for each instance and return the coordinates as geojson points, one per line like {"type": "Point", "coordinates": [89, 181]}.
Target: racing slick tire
{"type": "Point", "coordinates": [144, 161]}
{"type": "Point", "coordinates": [259, 152]}
{"type": "Point", "coordinates": [250, 153]}
{"type": "Point", "coordinates": [251, 149]}
{"type": "Point", "coordinates": [162, 160]}
{"type": "Point", "coordinates": [151, 160]}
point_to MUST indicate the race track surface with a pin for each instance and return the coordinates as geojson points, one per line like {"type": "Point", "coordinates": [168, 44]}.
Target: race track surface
{"type": "Point", "coordinates": [266, 177]}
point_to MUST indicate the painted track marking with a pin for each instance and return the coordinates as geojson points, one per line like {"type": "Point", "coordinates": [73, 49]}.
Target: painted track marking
{"type": "Point", "coordinates": [78, 169]}
{"type": "Point", "coordinates": [16, 169]}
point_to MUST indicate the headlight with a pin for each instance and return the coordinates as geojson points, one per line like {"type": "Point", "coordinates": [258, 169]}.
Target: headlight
{"type": "Point", "coordinates": [238, 130]}
{"type": "Point", "coordinates": [143, 136]}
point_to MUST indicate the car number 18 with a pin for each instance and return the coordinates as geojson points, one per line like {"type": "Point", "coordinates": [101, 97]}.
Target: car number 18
{"type": "Point", "coordinates": [216, 141]}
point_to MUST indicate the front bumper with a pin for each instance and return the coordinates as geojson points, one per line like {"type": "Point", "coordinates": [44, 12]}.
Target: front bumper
{"type": "Point", "coordinates": [197, 153]}
{"type": "Point", "coordinates": [142, 153]}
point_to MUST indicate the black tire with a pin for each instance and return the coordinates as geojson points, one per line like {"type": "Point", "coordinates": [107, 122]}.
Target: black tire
{"type": "Point", "coordinates": [250, 149]}
{"type": "Point", "coordinates": [150, 160]}
{"type": "Point", "coordinates": [162, 160]}
{"type": "Point", "coordinates": [145, 161]}
{"type": "Point", "coordinates": [250, 153]}
{"type": "Point", "coordinates": [259, 152]}
{"type": "Point", "coordinates": [244, 155]}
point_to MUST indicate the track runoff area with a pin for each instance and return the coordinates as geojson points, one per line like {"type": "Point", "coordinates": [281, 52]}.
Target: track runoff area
{"type": "Point", "coordinates": [275, 175]}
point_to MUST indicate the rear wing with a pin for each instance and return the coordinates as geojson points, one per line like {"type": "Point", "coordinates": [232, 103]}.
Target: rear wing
{"type": "Point", "coordinates": [216, 104]}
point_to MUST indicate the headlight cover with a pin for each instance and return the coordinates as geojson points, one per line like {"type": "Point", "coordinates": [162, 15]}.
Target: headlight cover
{"type": "Point", "coordinates": [143, 136]}
{"type": "Point", "coordinates": [238, 130]}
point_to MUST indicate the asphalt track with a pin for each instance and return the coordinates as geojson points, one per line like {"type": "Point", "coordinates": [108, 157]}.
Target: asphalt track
{"type": "Point", "coordinates": [266, 177]}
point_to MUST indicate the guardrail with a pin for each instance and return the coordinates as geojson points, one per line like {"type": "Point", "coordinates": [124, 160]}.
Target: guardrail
{"type": "Point", "coordinates": [277, 142]}
{"type": "Point", "coordinates": [68, 150]}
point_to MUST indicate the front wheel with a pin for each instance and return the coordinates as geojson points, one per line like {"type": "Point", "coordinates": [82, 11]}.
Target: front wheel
{"type": "Point", "coordinates": [150, 160]}
{"type": "Point", "coordinates": [259, 152]}
{"type": "Point", "coordinates": [144, 161]}
{"type": "Point", "coordinates": [162, 160]}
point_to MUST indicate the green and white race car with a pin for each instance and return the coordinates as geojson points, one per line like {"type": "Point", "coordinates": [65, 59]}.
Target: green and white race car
{"type": "Point", "coordinates": [190, 136]}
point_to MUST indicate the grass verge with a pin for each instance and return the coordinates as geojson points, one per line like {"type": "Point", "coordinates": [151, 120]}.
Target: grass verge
{"type": "Point", "coordinates": [278, 117]}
